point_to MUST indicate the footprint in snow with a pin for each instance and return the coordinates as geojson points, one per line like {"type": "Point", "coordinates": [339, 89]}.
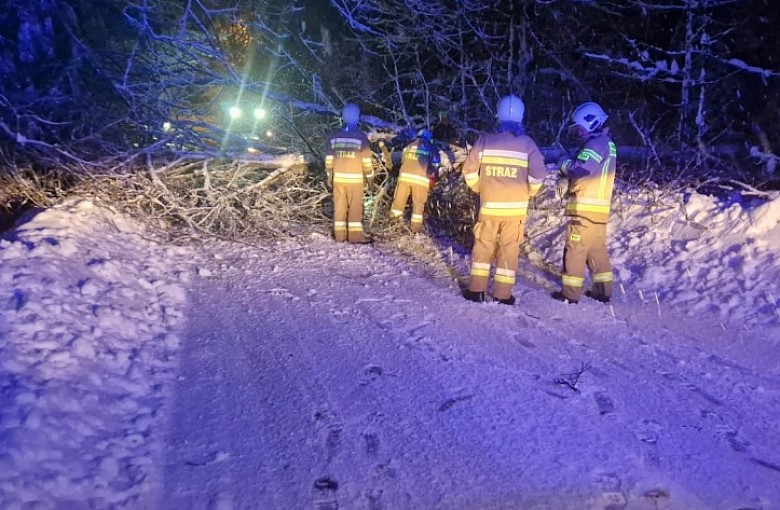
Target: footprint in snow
{"type": "Point", "coordinates": [325, 493]}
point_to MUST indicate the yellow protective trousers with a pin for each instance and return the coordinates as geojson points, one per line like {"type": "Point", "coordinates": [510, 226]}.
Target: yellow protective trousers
{"type": "Point", "coordinates": [419, 198]}
{"type": "Point", "coordinates": [496, 242]}
{"type": "Point", "coordinates": [348, 213]}
{"type": "Point", "coordinates": [586, 247]}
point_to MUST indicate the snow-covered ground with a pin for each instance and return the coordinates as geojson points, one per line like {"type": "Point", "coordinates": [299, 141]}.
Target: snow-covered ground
{"type": "Point", "coordinates": [303, 373]}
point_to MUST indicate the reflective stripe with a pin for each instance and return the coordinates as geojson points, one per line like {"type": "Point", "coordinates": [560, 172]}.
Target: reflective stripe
{"type": "Point", "coordinates": [505, 272]}
{"type": "Point", "coordinates": [471, 179]}
{"type": "Point", "coordinates": [414, 179]}
{"type": "Point", "coordinates": [575, 208]}
{"type": "Point", "coordinates": [340, 226]}
{"type": "Point", "coordinates": [494, 160]}
{"type": "Point", "coordinates": [346, 143]}
{"type": "Point", "coordinates": [503, 154]}
{"type": "Point", "coordinates": [480, 269]}
{"type": "Point", "coordinates": [535, 188]}
{"type": "Point", "coordinates": [503, 212]}
{"type": "Point", "coordinates": [417, 218]}
{"type": "Point", "coordinates": [504, 205]}
{"type": "Point", "coordinates": [587, 154]}
{"type": "Point", "coordinates": [590, 201]}
{"type": "Point", "coordinates": [533, 180]}
{"type": "Point", "coordinates": [503, 157]}
{"type": "Point", "coordinates": [504, 279]}
{"type": "Point", "coordinates": [355, 226]}
{"type": "Point", "coordinates": [604, 179]}
{"type": "Point", "coordinates": [396, 213]}
{"type": "Point", "coordinates": [504, 208]}
{"type": "Point", "coordinates": [602, 277]}
{"type": "Point", "coordinates": [348, 178]}
{"type": "Point", "coordinates": [572, 281]}
{"type": "Point", "coordinates": [329, 160]}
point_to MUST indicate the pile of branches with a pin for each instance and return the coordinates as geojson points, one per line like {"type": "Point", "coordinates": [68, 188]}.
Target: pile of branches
{"type": "Point", "coordinates": [236, 200]}
{"type": "Point", "coordinates": [228, 199]}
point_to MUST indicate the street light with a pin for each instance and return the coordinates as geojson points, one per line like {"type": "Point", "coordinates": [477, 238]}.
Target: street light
{"type": "Point", "coordinates": [234, 112]}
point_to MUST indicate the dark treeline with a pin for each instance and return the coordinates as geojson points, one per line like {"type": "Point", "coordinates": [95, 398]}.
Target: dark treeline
{"type": "Point", "coordinates": [691, 85]}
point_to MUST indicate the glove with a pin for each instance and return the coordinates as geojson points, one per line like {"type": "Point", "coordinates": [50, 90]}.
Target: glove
{"type": "Point", "coordinates": [563, 187]}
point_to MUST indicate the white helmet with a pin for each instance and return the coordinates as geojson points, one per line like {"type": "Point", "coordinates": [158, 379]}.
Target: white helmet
{"type": "Point", "coordinates": [350, 113]}
{"type": "Point", "coordinates": [510, 109]}
{"type": "Point", "coordinates": [589, 116]}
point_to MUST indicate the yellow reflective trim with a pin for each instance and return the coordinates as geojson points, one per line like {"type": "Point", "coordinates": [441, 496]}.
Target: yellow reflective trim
{"type": "Point", "coordinates": [602, 277]}
{"type": "Point", "coordinates": [496, 160]}
{"type": "Point", "coordinates": [504, 279]}
{"type": "Point", "coordinates": [587, 208]}
{"type": "Point", "coordinates": [588, 154]}
{"type": "Point", "coordinates": [479, 272]}
{"type": "Point", "coordinates": [487, 211]}
{"type": "Point", "coordinates": [417, 218]}
{"type": "Point", "coordinates": [572, 281]}
{"type": "Point", "coordinates": [471, 178]}
{"type": "Point", "coordinates": [504, 205]}
{"type": "Point", "coordinates": [396, 212]}
{"type": "Point", "coordinates": [414, 179]}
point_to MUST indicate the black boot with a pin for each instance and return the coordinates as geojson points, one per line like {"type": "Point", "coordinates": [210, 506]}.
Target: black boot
{"type": "Point", "coordinates": [597, 297]}
{"type": "Point", "coordinates": [508, 301]}
{"type": "Point", "coordinates": [477, 297]}
{"type": "Point", "coordinates": [558, 296]}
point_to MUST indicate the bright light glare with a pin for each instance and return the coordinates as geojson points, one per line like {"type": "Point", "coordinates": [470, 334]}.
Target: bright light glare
{"type": "Point", "coordinates": [251, 150]}
{"type": "Point", "coordinates": [259, 113]}
{"type": "Point", "coordinates": [234, 112]}
{"type": "Point", "coordinates": [167, 126]}
{"type": "Point", "coordinates": [269, 133]}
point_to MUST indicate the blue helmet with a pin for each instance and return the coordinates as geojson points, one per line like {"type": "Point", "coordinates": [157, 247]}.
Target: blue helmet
{"type": "Point", "coordinates": [510, 109]}
{"type": "Point", "coordinates": [350, 113]}
{"type": "Point", "coordinates": [425, 134]}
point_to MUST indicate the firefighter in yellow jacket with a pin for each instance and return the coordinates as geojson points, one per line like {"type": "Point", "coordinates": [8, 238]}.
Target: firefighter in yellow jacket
{"type": "Point", "coordinates": [506, 169]}
{"type": "Point", "coordinates": [419, 169]}
{"type": "Point", "coordinates": [588, 181]}
{"type": "Point", "coordinates": [348, 163]}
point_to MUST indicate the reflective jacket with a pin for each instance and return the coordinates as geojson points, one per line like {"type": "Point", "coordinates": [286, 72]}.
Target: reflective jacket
{"type": "Point", "coordinates": [506, 170]}
{"type": "Point", "coordinates": [592, 178]}
{"type": "Point", "coordinates": [419, 162]}
{"type": "Point", "coordinates": [348, 157]}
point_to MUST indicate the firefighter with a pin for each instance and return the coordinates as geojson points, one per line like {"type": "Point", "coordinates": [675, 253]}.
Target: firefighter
{"type": "Point", "coordinates": [587, 181]}
{"type": "Point", "coordinates": [419, 171]}
{"type": "Point", "coordinates": [348, 163]}
{"type": "Point", "coordinates": [506, 169]}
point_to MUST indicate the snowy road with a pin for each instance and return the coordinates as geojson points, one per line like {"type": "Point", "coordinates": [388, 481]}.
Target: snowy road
{"type": "Point", "coordinates": [324, 376]}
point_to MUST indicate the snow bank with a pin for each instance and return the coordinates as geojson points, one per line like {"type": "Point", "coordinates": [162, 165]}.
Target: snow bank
{"type": "Point", "coordinates": [88, 326]}
{"type": "Point", "coordinates": [691, 251]}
